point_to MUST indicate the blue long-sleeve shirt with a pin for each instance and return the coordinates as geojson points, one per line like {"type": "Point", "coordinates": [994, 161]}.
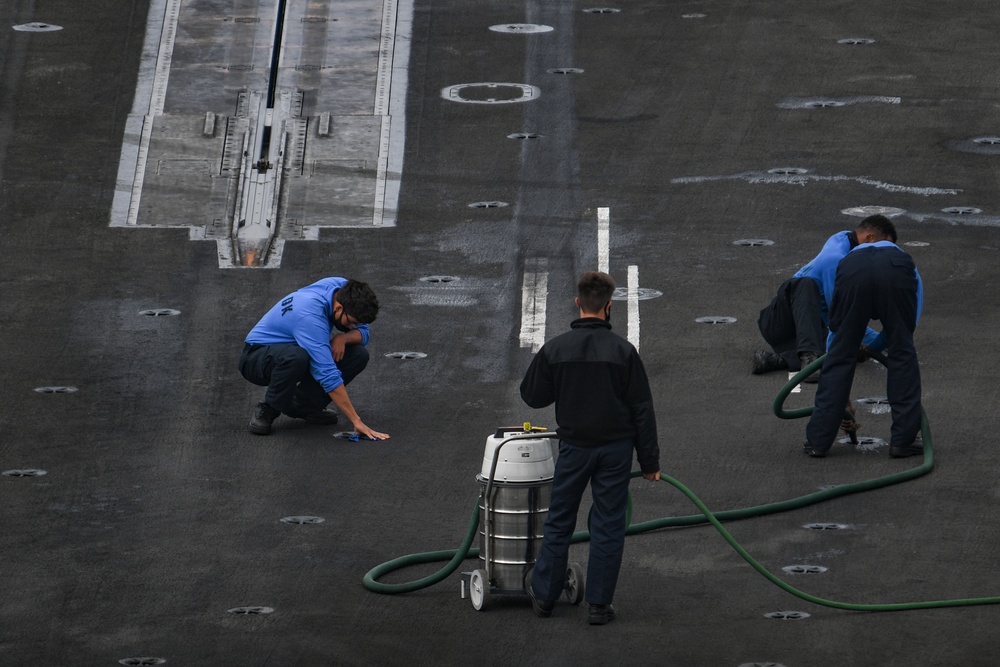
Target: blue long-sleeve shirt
{"type": "Point", "coordinates": [305, 317]}
{"type": "Point", "coordinates": [823, 269]}
{"type": "Point", "coordinates": [879, 342]}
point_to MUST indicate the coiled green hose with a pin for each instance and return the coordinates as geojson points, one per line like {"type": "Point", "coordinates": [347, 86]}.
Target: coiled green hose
{"type": "Point", "coordinates": [466, 550]}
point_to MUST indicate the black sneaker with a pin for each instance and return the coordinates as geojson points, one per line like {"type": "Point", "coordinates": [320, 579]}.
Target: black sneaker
{"type": "Point", "coordinates": [263, 416]}
{"type": "Point", "coordinates": [765, 362]}
{"type": "Point", "coordinates": [600, 614]}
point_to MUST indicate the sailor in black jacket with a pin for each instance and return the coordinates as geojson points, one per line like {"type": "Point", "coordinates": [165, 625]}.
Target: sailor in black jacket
{"type": "Point", "coordinates": [604, 410]}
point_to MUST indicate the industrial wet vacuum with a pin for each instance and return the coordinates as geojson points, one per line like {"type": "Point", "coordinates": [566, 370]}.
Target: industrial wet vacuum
{"type": "Point", "coordinates": [515, 490]}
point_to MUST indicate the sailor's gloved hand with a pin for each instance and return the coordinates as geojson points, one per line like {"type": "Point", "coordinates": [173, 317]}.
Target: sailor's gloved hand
{"type": "Point", "coordinates": [851, 426]}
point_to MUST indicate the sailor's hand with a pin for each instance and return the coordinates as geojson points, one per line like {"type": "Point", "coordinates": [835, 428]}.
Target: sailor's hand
{"type": "Point", "coordinates": [850, 426]}
{"type": "Point", "coordinates": [337, 346]}
{"type": "Point", "coordinates": [362, 429]}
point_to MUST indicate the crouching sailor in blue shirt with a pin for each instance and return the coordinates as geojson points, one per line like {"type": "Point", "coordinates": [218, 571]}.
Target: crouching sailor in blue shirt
{"type": "Point", "coordinates": [306, 349]}
{"type": "Point", "coordinates": [876, 280]}
{"type": "Point", "coordinates": [796, 322]}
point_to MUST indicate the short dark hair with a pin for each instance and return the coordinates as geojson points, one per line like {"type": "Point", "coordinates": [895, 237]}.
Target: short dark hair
{"type": "Point", "coordinates": [594, 291]}
{"type": "Point", "coordinates": [358, 301]}
{"type": "Point", "coordinates": [879, 224]}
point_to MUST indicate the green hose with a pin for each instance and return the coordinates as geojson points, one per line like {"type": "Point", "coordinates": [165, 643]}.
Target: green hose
{"type": "Point", "coordinates": [465, 550]}
{"type": "Point", "coordinates": [898, 606]}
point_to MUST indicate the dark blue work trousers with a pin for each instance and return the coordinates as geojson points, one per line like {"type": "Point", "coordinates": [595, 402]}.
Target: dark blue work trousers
{"type": "Point", "coordinates": [285, 369]}
{"type": "Point", "coordinates": [607, 468]}
{"type": "Point", "coordinates": [792, 322]}
{"type": "Point", "coordinates": [876, 283]}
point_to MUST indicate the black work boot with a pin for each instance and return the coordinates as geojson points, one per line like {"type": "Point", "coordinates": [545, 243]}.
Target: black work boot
{"type": "Point", "coordinates": [263, 416]}
{"type": "Point", "coordinates": [311, 413]}
{"type": "Point", "coordinates": [765, 361]}
{"type": "Point", "coordinates": [806, 358]}
{"type": "Point", "coordinates": [600, 614]}
{"type": "Point", "coordinates": [543, 608]}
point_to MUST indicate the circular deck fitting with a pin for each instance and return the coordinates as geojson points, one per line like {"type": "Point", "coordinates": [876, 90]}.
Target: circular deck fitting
{"type": "Point", "coordinates": [521, 28]}
{"type": "Point", "coordinates": [160, 312]}
{"type": "Point", "coordinates": [645, 293]}
{"type": "Point", "coordinates": [917, 244]}
{"type": "Point", "coordinates": [602, 10]}
{"type": "Point", "coordinates": [149, 660]}
{"type": "Point", "coordinates": [822, 104]}
{"type": "Point", "coordinates": [488, 204]}
{"type": "Point", "coordinates": [865, 211]}
{"type": "Point", "coordinates": [856, 41]}
{"type": "Point", "coordinates": [865, 444]}
{"type": "Point", "coordinates": [825, 526]}
{"type": "Point", "coordinates": [37, 26]}
{"type": "Point", "coordinates": [437, 280]}
{"type": "Point", "coordinates": [986, 145]}
{"type": "Point", "coordinates": [251, 611]}
{"type": "Point", "coordinates": [565, 70]}
{"type": "Point", "coordinates": [406, 355]}
{"type": "Point", "coordinates": [490, 93]}
{"type": "Point", "coordinates": [788, 171]}
{"type": "Point", "coordinates": [787, 615]}
{"type": "Point", "coordinates": [25, 472]}
{"type": "Point", "coordinates": [302, 520]}
{"type": "Point", "coordinates": [877, 405]}
{"type": "Point", "coordinates": [525, 135]}
{"type": "Point", "coordinates": [873, 400]}
{"type": "Point", "coordinates": [715, 319]}
{"type": "Point", "coordinates": [803, 569]}
{"type": "Point", "coordinates": [753, 243]}
{"type": "Point", "coordinates": [962, 210]}
{"type": "Point", "coordinates": [55, 390]}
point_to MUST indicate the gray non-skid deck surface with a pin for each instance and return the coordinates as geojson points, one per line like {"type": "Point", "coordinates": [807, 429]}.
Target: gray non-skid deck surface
{"type": "Point", "coordinates": [159, 512]}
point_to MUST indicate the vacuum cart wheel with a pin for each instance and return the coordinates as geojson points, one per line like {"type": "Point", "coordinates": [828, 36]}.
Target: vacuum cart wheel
{"type": "Point", "coordinates": [479, 589]}
{"type": "Point", "coordinates": [574, 584]}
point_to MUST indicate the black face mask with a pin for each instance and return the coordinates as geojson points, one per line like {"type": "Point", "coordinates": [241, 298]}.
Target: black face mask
{"type": "Point", "coordinates": [337, 322]}
{"type": "Point", "coordinates": [607, 313]}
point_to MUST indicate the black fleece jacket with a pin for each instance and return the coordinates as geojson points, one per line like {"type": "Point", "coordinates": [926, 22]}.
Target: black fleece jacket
{"type": "Point", "coordinates": [599, 385]}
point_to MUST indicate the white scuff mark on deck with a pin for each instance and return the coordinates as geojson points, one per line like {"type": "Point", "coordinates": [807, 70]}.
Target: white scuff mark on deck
{"type": "Point", "coordinates": [767, 178]}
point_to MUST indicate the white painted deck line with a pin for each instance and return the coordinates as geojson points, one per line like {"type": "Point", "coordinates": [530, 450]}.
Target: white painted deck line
{"type": "Point", "coordinates": [534, 293]}
{"type": "Point", "coordinates": [151, 89]}
{"type": "Point", "coordinates": [604, 239]}
{"type": "Point", "coordinates": [390, 100]}
{"type": "Point", "coordinates": [389, 180]}
{"type": "Point", "coordinates": [633, 305]}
